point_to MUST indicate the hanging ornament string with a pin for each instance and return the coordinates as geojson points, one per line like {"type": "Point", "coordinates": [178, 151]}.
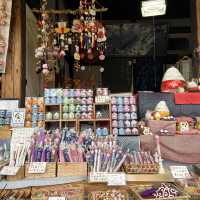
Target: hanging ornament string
{"type": "Point", "coordinates": [42, 53]}
{"type": "Point", "coordinates": [85, 40]}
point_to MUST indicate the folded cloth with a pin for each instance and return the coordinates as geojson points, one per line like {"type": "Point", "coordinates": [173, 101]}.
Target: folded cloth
{"type": "Point", "coordinates": [187, 98]}
{"type": "Point", "coordinates": [179, 148]}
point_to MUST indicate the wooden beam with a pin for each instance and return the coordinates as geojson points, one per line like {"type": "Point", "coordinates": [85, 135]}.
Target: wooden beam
{"type": "Point", "coordinates": [13, 81]}
{"type": "Point", "coordinates": [197, 12]}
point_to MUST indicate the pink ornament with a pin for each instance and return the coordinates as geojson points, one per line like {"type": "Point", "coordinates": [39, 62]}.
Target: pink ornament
{"type": "Point", "coordinates": [113, 100]}
{"type": "Point", "coordinates": [127, 108]}
{"type": "Point", "coordinates": [45, 71]}
{"type": "Point", "coordinates": [62, 54]}
{"type": "Point", "coordinates": [114, 108]}
{"type": "Point", "coordinates": [114, 115]}
{"type": "Point", "coordinates": [102, 57]}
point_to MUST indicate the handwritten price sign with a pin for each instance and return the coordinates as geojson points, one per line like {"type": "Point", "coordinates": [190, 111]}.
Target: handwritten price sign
{"type": "Point", "coordinates": [180, 172]}
{"type": "Point", "coordinates": [37, 168]}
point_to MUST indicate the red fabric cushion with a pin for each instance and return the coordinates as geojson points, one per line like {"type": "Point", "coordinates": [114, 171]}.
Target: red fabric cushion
{"type": "Point", "coordinates": [171, 85]}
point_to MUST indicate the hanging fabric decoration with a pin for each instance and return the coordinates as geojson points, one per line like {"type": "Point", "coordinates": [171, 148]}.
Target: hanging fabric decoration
{"type": "Point", "coordinates": [5, 16]}
{"type": "Point", "coordinates": [44, 52]}
{"type": "Point", "coordinates": [86, 39]}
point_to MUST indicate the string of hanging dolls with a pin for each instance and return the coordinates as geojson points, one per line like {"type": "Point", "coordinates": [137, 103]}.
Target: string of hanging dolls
{"type": "Point", "coordinates": [85, 40]}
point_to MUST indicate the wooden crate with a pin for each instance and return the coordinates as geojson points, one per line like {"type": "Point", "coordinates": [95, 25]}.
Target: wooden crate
{"type": "Point", "coordinates": [50, 172]}
{"type": "Point", "coordinates": [20, 175]}
{"type": "Point", "coordinates": [72, 169]}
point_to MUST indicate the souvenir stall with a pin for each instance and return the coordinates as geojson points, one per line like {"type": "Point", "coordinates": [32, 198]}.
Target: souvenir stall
{"type": "Point", "coordinates": [89, 143]}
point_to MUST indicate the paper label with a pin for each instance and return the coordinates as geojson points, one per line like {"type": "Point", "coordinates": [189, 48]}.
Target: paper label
{"type": "Point", "coordinates": [57, 198]}
{"type": "Point", "coordinates": [18, 117]}
{"type": "Point", "coordinates": [10, 171]}
{"type": "Point", "coordinates": [9, 104]}
{"type": "Point", "coordinates": [116, 179]}
{"type": "Point", "coordinates": [37, 168]}
{"type": "Point", "coordinates": [180, 172]}
{"type": "Point", "coordinates": [110, 178]}
{"type": "Point", "coordinates": [98, 177]}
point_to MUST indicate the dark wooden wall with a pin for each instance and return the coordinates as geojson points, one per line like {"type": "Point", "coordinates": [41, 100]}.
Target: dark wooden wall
{"type": "Point", "coordinates": [13, 81]}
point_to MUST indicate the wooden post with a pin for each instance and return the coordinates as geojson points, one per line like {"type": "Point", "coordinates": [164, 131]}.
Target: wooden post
{"type": "Point", "coordinates": [197, 12]}
{"type": "Point", "coordinates": [13, 81]}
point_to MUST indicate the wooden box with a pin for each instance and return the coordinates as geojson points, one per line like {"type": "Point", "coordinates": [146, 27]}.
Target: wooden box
{"type": "Point", "coordinates": [50, 172]}
{"type": "Point", "coordinates": [107, 194]}
{"type": "Point", "coordinates": [20, 175]}
{"type": "Point", "coordinates": [73, 191]}
{"type": "Point", "coordinates": [136, 190]}
{"type": "Point", "coordinates": [72, 169]}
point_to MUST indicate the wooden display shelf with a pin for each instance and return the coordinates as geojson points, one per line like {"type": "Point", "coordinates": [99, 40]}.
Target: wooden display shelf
{"type": "Point", "coordinates": [86, 120]}
{"type": "Point", "coordinates": [108, 103]}
{"type": "Point", "coordinates": [47, 105]}
{"type": "Point", "coordinates": [102, 119]}
{"type": "Point", "coordinates": [52, 120]}
{"type": "Point", "coordinates": [68, 120]}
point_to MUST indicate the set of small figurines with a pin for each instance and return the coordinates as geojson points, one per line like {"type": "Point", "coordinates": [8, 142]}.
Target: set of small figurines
{"type": "Point", "coordinates": [124, 115]}
{"type": "Point", "coordinates": [34, 112]}
{"type": "Point", "coordinates": [5, 117]}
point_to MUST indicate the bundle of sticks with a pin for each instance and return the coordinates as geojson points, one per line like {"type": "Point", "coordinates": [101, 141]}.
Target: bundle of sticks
{"type": "Point", "coordinates": [105, 155]}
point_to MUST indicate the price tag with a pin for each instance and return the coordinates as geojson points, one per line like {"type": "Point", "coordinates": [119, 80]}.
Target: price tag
{"type": "Point", "coordinates": [10, 171]}
{"type": "Point", "coordinates": [116, 179]}
{"type": "Point", "coordinates": [57, 198]}
{"type": "Point", "coordinates": [180, 172]}
{"type": "Point", "coordinates": [100, 177]}
{"type": "Point", "coordinates": [37, 168]}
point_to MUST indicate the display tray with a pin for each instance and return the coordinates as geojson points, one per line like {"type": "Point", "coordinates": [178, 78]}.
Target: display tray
{"type": "Point", "coordinates": [192, 191]}
{"type": "Point", "coordinates": [137, 189]}
{"type": "Point", "coordinates": [142, 168]}
{"type": "Point", "coordinates": [110, 194]}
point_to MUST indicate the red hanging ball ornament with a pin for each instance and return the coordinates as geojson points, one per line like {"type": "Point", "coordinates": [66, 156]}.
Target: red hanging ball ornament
{"type": "Point", "coordinates": [39, 24]}
{"type": "Point", "coordinates": [82, 55]}
{"type": "Point", "coordinates": [90, 56]}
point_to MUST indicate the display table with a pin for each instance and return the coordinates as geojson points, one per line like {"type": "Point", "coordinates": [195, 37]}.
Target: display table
{"type": "Point", "coordinates": [187, 98]}
{"type": "Point", "coordinates": [179, 148]}
{"type": "Point", "coordinates": [26, 183]}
